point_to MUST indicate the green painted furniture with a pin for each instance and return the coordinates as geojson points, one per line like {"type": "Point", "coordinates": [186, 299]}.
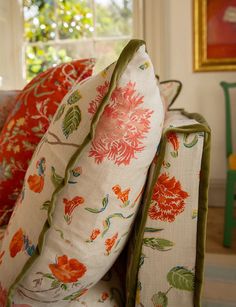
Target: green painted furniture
{"type": "Point", "coordinates": [230, 221]}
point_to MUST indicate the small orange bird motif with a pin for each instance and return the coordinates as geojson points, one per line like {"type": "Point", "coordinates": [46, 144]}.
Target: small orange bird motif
{"type": "Point", "coordinates": [122, 195]}
{"type": "Point", "coordinates": [36, 181]}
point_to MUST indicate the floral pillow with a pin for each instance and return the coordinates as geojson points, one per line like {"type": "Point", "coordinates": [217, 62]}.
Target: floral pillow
{"type": "Point", "coordinates": [7, 103]}
{"type": "Point", "coordinates": [107, 292]}
{"type": "Point", "coordinates": [170, 90]}
{"type": "Point", "coordinates": [28, 122]}
{"type": "Point", "coordinates": [169, 233]}
{"type": "Point", "coordinates": [84, 184]}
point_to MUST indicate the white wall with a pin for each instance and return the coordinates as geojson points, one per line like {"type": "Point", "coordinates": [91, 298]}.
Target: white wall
{"type": "Point", "coordinates": [11, 31]}
{"type": "Point", "coordinates": [201, 91]}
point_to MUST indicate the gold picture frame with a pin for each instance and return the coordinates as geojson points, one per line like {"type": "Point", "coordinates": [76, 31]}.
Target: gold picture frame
{"type": "Point", "coordinates": [202, 60]}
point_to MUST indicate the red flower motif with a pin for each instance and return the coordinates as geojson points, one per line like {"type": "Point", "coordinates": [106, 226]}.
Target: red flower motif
{"type": "Point", "coordinates": [3, 296]}
{"type": "Point", "coordinates": [96, 232]}
{"type": "Point", "coordinates": [122, 126]}
{"type": "Point", "coordinates": [122, 195]}
{"type": "Point", "coordinates": [104, 297]}
{"type": "Point", "coordinates": [110, 243]}
{"type": "Point", "coordinates": [70, 205]}
{"type": "Point", "coordinates": [17, 243]}
{"type": "Point", "coordinates": [168, 199]}
{"type": "Point", "coordinates": [102, 90]}
{"type": "Point", "coordinates": [36, 183]}
{"type": "Point", "coordinates": [173, 139]}
{"type": "Point", "coordinates": [67, 270]}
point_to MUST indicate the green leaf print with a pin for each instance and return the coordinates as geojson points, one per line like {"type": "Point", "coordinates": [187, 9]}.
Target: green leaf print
{"type": "Point", "coordinates": [174, 154]}
{"type": "Point", "coordinates": [64, 287]}
{"type": "Point", "coordinates": [56, 179]}
{"type": "Point", "coordinates": [55, 284]}
{"type": "Point", "coordinates": [181, 278]}
{"type": "Point", "coordinates": [74, 97]}
{"type": "Point", "coordinates": [107, 221]}
{"type": "Point", "coordinates": [60, 112]}
{"type": "Point", "coordinates": [5, 169]}
{"type": "Point", "coordinates": [158, 244]}
{"type": "Point", "coordinates": [71, 121]}
{"type": "Point", "coordinates": [191, 143]}
{"type": "Point", "coordinates": [141, 260]}
{"type": "Point", "coordinates": [74, 295]}
{"type": "Point", "coordinates": [46, 205]}
{"type": "Point", "coordinates": [160, 299]}
{"type": "Point", "coordinates": [104, 205]}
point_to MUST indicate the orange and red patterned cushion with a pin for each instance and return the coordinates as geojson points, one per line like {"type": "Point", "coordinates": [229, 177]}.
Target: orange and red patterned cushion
{"type": "Point", "coordinates": [29, 120]}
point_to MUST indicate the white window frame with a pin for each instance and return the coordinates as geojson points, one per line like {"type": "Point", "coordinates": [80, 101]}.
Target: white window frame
{"type": "Point", "coordinates": [141, 27]}
{"type": "Point", "coordinates": [137, 32]}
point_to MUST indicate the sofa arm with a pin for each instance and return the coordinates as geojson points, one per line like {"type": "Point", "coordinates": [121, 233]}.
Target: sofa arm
{"type": "Point", "coordinates": [166, 252]}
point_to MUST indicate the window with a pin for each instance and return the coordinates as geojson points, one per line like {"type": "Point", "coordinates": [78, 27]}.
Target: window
{"type": "Point", "coordinates": [58, 31]}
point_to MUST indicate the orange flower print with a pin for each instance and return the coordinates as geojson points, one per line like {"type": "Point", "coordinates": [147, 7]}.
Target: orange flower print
{"type": "Point", "coordinates": [17, 243]}
{"type": "Point", "coordinates": [67, 270]}
{"type": "Point", "coordinates": [21, 242]}
{"type": "Point", "coordinates": [36, 181]}
{"type": "Point", "coordinates": [110, 243]}
{"type": "Point", "coordinates": [1, 256]}
{"type": "Point", "coordinates": [173, 139]}
{"type": "Point", "coordinates": [70, 206]}
{"type": "Point", "coordinates": [95, 233]}
{"type": "Point", "coordinates": [122, 195]}
{"type": "Point", "coordinates": [3, 296]}
{"type": "Point", "coordinates": [168, 199]}
{"type": "Point", "coordinates": [123, 126]}
{"type": "Point", "coordinates": [104, 297]}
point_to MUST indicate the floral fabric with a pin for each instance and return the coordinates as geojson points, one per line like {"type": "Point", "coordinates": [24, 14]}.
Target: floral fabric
{"type": "Point", "coordinates": [7, 103]}
{"type": "Point", "coordinates": [170, 90]}
{"type": "Point", "coordinates": [28, 122]}
{"type": "Point", "coordinates": [107, 292]}
{"type": "Point", "coordinates": [169, 243]}
{"type": "Point", "coordinates": [90, 219]}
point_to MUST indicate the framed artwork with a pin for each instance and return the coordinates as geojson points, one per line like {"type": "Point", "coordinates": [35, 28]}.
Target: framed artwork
{"type": "Point", "coordinates": [214, 35]}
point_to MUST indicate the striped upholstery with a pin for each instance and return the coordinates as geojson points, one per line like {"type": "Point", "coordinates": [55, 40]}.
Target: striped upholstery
{"type": "Point", "coordinates": [220, 281]}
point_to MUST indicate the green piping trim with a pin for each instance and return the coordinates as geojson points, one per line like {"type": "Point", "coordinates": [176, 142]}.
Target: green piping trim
{"type": "Point", "coordinates": [226, 86]}
{"type": "Point", "coordinates": [126, 56]}
{"type": "Point", "coordinates": [138, 233]}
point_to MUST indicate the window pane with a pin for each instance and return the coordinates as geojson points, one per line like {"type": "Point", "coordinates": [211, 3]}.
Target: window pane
{"type": "Point", "coordinates": [39, 59]}
{"type": "Point", "coordinates": [75, 19]}
{"type": "Point", "coordinates": [39, 20]}
{"type": "Point", "coordinates": [79, 49]}
{"type": "Point", "coordinates": [108, 52]}
{"type": "Point", "coordinates": [113, 17]}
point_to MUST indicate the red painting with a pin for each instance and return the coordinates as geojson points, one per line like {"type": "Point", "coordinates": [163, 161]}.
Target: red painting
{"type": "Point", "coordinates": [221, 29]}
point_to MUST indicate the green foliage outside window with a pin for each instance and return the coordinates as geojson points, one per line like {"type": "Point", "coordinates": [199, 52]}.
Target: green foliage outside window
{"type": "Point", "coordinates": [49, 24]}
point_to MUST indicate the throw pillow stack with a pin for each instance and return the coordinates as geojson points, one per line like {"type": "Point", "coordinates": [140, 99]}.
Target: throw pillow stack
{"type": "Point", "coordinates": [83, 186]}
{"type": "Point", "coordinates": [29, 120]}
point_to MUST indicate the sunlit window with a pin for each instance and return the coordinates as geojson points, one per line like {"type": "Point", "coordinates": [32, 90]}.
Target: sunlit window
{"type": "Point", "coordinates": [58, 31]}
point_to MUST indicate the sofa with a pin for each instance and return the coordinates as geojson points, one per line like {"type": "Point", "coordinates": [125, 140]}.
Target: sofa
{"type": "Point", "coordinates": [163, 262]}
{"type": "Point", "coordinates": [106, 188]}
